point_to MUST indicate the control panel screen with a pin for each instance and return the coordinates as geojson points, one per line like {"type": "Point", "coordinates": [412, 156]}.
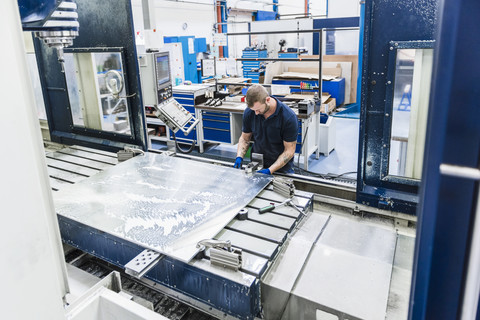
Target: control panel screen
{"type": "Point", "coordinates": [163, 70]}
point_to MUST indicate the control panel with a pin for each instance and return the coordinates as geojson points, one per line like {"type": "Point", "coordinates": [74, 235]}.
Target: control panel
{"type": "Point", "coordinates": [163, 94]}
{"type": "Point", "coordinates": [155, 76]}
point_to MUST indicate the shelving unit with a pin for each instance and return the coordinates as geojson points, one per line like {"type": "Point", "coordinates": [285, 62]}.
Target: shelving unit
{"type": "Point", "coordinates": [255, 65]}
{"type": "Point", "coordinates": [156, 124]}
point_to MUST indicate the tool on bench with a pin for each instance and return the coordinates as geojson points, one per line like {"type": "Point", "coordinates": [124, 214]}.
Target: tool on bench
{"type": "Point", "coordinates": [271, 206]}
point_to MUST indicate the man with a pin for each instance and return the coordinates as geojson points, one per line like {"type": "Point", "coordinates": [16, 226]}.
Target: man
{"type": "Point", "coordinates": [274, 128]}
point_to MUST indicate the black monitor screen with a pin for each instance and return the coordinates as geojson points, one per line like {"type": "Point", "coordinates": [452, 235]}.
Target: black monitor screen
{"type": "Point", "coordinates": [163, 70]}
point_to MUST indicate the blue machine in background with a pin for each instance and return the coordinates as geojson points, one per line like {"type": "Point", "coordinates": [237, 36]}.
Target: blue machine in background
{"type": "Point", "coordinates": [191, 46]}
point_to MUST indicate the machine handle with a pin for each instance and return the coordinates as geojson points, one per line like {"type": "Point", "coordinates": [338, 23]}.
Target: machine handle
{"type": "Point", "coordinates": [191, 127]}
{"type": "Point", "coordinates": [266, 209]}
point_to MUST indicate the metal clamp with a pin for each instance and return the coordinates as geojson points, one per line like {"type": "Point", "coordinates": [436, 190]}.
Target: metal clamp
{"type": "Point", "coordinates": [212, 243]}
{"type": "Point", "coordinates": [284, 187]}
{"type": "Point", "coordinates": [252, 167]}
{"type": "Point", "coordinates": [222, 253]}
{"type": "Point", "coordinates": [142, 263]}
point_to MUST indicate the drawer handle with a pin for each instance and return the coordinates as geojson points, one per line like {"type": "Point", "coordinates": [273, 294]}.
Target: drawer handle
{"type": "Point", "coordinates": [216, 129]}
{"type": "Point", "coordinates": [215, 120]}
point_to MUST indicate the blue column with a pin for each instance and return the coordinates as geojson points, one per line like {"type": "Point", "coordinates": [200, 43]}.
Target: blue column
{"type": "Point", "coordinates": [224, 18]}
{"type": "Point", "coordinates": [447, 203]}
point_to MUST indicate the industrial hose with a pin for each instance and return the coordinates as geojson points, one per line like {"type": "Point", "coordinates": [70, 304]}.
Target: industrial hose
{"type": "Point", "coordinates": [177, 146]}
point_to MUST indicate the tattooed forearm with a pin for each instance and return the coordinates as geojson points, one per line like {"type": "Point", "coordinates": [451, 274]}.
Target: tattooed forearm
{"type": "Point", "coordinates": [243, 144]}
{"type": "Point", "coordinates": [284, 157]}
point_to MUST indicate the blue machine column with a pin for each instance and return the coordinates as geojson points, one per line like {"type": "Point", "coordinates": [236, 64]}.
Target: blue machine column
{"type": "Point", "coordinates": [448, 202]}
{"type": "Point", "coordinates": [222, 17]}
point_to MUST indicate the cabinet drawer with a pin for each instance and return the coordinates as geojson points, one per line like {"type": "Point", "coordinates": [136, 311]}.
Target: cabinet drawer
{"type": "Point", "coordinates": [206, 115]}
{"type": "Point", "coordinates": [185, 102]}
{"type": "Point", "coordinates": [216, 124]}
{"type": "Point", "coordinates": [216, 135]}
{"type": "Point", "coordinates": [183, 96]}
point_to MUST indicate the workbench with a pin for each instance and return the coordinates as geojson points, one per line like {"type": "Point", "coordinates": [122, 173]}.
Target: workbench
{"type": "Point", "coordinates": [223, 124]}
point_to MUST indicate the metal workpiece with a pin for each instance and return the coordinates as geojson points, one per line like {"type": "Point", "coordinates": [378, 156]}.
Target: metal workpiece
{"type": "Point", "coordinates": [142, 263]}
{"type": "Point", "coordinates": [161, 203]}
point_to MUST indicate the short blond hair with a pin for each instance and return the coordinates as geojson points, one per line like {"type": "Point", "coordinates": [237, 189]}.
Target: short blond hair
{"type": "Point", "coordinates": [256, 93]}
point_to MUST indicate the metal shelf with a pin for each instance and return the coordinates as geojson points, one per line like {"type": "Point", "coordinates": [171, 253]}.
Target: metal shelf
{"type": "Point", "coordinates": [155, 121]}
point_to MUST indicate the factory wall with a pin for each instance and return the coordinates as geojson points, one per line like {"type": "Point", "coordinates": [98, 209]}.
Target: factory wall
{"type": "Point", "coordinates": [197, 18]}
{"type": "Point", "coordinates": [346, 42]}
{"type": "Point", "coordinates": [174, 18]}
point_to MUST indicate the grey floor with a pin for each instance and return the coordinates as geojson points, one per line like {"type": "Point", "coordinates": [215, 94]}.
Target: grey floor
{"type": "Point", "coordinates": [342, 159]}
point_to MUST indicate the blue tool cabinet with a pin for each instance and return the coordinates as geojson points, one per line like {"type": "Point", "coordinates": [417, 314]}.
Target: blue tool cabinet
{"type": "Point", "coordinates": [248, 65]}
{"type": "Point", "coordinates": [221, 126]}
{"type": "Point", "coordinates": [216, 126]}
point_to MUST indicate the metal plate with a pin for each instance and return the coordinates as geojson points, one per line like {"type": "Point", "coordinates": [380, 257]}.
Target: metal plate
{"type": "Point", "coordinates": [162, 203]}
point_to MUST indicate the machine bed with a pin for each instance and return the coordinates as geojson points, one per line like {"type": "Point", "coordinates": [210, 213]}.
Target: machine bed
{"type": "Point", "coordinates": [314, 264]}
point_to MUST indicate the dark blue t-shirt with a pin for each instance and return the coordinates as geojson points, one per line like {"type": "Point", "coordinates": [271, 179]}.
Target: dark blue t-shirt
{"type": "Point", "coordinates": [269, 134]}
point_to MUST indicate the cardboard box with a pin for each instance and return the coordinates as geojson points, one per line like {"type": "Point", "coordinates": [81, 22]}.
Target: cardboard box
{"type": "Point", "coordinates": [350, 83]}
{"type": "Point", "coordinates": [329, 106]}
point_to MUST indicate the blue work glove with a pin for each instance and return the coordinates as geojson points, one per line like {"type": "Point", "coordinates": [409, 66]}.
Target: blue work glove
{"type": "Point", "coordinates": [264, 171]}
{"type": "Point", "coordinates": [238, 163]}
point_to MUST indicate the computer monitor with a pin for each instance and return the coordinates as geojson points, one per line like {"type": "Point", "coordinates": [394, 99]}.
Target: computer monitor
{"type": "Point", "coordinates": [162, 68]}
{"type": "Point", "coordinates": [161, 61]}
